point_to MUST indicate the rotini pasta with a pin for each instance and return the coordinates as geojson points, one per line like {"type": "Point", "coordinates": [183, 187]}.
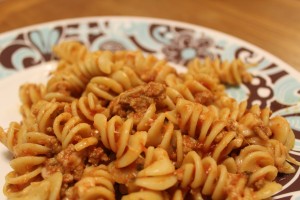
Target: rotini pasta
{"type": "Point", "coordinates": [31, 93]}
{"type": "Point", "coordinates": [87, 106]}
{"type": "Point", "coordinates": [30, 150]}
{"type": "Point", "coordinates": [48, 189]}
{"type": "Point", "coordinates": [96, 183]}
{"type": "Point", "coordinates": [233, 73]}
{"type": "Point", "coordinates": [126, 145]}
{"type": "Point", "coordinates": [191, 90]}
{"type": "Point", "coordinates": [68, 128]}
{"type": "Point", "coordinates": [153, 176]}
{"type": "Point", "coordinates": [122, 125]}
{"type": "Point", "coordinates": [215, 181]}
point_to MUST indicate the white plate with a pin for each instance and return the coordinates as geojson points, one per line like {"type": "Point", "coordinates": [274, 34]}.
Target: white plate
{"type": "Point", "coordinates": [275, 84]}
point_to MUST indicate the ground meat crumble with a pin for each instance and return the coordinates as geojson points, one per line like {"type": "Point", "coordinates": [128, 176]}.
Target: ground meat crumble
{"type": "Point", "coordinates": [138, 99]}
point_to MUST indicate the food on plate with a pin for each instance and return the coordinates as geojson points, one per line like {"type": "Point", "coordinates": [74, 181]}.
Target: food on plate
{"type": "Point", "coordinates": [122, 125]}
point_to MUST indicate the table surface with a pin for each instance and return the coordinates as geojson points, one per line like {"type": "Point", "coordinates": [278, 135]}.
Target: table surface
{"type": "Point", "coordinates": [273, 25]}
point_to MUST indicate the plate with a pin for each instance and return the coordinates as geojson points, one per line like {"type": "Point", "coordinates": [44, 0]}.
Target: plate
{"type": "Point", "coordinates": [25, 56]}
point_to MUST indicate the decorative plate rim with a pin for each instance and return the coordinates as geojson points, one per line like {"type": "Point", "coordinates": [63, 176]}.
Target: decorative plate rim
{"type": "Point", "coordinates": [292, 71]}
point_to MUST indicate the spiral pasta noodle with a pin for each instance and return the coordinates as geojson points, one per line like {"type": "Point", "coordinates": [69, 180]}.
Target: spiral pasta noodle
{"type": "Point", "coordinates": [22, 142]}
{"type": "Point", "coordinates": [127, 146]}
{"type": "Point", "coordinates": [31, 93]}
{"type": "Point", "coordinates": [79, 68]}
{"type": "Point", "coordinates": [212, 179]}
{"type": "Point", "coordinates": [233, 73]}
{"type": "Point", "coordinates": [124, 125]}
{"type": "Point", "coordinates": [254, 123]}
{"type": "Point", "coordinates": [30, 150]}
{"type": "Point", "coordinates": [87, 106]}
{"type": "Point", "coordinates": [49, 188]}
{"type": "Point", "coordinates": [96, 183]}
{"type": "Point", "coordinates": [148, 67]}
{"type": "Point", "coordinates": [197, 121]}
{"type": "Point", "coordinates": [67, 127]}
{"type": "Point", "coordinates": [191, 90]}
{"type": "Point", "coordinates": [154, 177]}
{"type": "Point", "coordinates": [161, 134]}
{"type": "Point", "coordinates": [44, 113]}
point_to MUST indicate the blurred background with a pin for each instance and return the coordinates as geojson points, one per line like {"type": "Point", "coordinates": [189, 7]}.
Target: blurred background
{"type": "Point", "coordinates": [273, 25]}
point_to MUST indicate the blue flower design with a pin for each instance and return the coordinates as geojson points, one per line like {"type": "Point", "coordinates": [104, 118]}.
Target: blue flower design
{"type": "Point", "coordinates": [43, 40]}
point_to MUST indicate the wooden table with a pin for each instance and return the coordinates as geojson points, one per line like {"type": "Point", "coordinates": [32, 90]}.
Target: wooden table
{"type": "Point", "coordinates": [273, 25]}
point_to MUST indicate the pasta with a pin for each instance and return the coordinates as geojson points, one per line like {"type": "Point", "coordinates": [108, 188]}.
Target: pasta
{"type": "Point", "coordinates": [96, 183]}
{"type": "Point", "coordinates": [233, 73]}
{"type": "Point", "coordinates": [121, 125]}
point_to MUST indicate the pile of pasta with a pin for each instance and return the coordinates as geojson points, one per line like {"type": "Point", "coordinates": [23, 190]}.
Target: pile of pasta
{"type": "Point", "coordinates": [122, 125]}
